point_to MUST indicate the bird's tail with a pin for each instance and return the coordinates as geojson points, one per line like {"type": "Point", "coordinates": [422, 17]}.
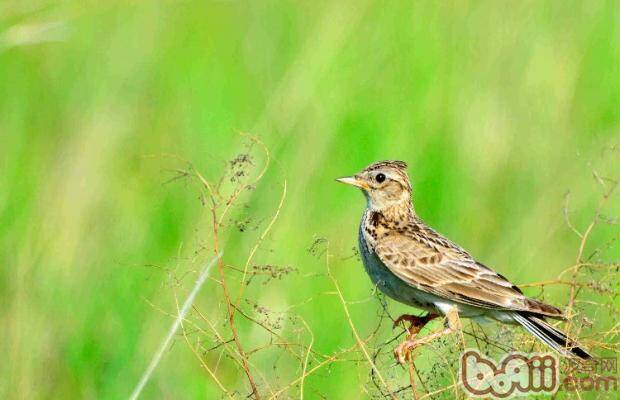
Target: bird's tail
{"type": "Point", "coordinates": [551, 336]}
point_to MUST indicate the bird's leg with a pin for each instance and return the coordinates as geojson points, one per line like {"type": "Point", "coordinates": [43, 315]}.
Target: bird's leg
{"type": "Point", "coordinates": [416, 323]}
{"type": "Point", "coordinates": [403, 351]}
{"type": "Point", "coordinates": [454, 322]}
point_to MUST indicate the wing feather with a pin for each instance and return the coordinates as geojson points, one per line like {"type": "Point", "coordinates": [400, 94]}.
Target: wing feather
{"type": "Point", "coordinates": [439, 267]}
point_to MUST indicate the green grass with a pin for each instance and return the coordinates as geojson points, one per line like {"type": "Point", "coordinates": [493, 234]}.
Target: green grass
{"type": "Point", "coordinates": [498, 107]}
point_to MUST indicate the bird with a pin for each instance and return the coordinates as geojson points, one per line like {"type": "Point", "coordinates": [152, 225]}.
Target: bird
{"type": "Point", "coordinates": [413, 264]}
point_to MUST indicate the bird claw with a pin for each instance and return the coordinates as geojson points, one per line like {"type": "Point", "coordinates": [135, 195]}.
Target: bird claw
{"type": "Point", "coordinates": [402, 352]}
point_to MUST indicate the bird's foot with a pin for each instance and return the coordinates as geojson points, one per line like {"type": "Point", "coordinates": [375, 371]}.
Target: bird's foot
{"type": "Point", "coordinates": [402, 352]}
{"type": "Point", "coordinates": [416, 323]}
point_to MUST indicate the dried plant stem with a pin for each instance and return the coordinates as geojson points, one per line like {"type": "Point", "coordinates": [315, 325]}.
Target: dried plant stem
{"type": "Point", "coordinates": [202, 362]}
{"type": "Point", "coordinates": [327, 361]}
{"type": "Point", "coordinates": [199, 329]}
{"type": "Point", "coordinates": [219, 337]}
{"type": "Point", "coordinates": [175, 326]}
{"type": "Point", "coordinates": [305, 363]}
{"type": "Point", "coordinates": [454, 386]}
{"type": "Point", "coordinates": [241, 188]}
{"type": "Point", "coordinates": [358, 339]}
{"type": "Point", "coordinates": [580, 261]}
{"type": "Point", "coordinates": [277, 335]}
{"type": "Point", "coordinates": [229, 307]}
{"type": "Point", "coordinates": [218, 217]}
{"type": "Point", "coordinates": [220, 266]}
{"type": "Point", "coordinates": [412, 379]}
{"type": "Point", "coordinates": [259, 242]}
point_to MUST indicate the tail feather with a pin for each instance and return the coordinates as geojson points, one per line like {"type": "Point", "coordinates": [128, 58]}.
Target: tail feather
{"type": "Point", "coordinates": [551, 336]}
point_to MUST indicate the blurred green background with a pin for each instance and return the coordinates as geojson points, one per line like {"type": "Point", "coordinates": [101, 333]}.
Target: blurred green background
{"type": "Point", "coordinates": [498, 107]}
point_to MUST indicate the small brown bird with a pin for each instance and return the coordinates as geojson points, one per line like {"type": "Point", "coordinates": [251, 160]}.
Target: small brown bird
{"type": "Point", "coordinates": [413, 264]}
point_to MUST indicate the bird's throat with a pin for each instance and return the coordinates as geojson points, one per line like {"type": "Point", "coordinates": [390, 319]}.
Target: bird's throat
{"type": "Point", "coordinates": [398, 212]}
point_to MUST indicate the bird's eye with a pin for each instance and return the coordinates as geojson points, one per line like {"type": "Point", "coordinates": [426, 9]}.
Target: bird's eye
{"type": "Point", "coordinates": [380, 178]}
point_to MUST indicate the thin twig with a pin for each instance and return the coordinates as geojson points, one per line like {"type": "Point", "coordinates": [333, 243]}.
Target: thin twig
{"type": "Point", "coordinates": [354, 330]}
{"type": "Point", "coordinates": [175, 325]}
{"type": "Point", "coordinates": [305, 364]}
{"type": "Point", "coordinates": [259, 242]}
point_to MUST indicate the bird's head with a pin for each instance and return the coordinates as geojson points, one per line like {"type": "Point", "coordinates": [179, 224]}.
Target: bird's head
{"type": "Point", "coordinates": [385, 184]}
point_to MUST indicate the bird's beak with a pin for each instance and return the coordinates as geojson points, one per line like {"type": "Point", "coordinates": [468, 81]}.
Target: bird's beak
{"type": "Point", "coordinates": [352, 180]}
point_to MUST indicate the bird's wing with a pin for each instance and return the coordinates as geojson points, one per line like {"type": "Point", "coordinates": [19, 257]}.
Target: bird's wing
{"type": "Point", "coordinates": [433, 264]}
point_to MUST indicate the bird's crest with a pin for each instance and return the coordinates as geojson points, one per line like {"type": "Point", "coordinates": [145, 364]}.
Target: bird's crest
{"type": "Point", "coordinates": [400, 165]}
